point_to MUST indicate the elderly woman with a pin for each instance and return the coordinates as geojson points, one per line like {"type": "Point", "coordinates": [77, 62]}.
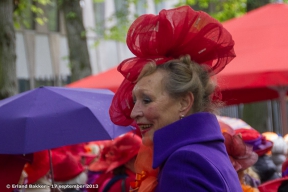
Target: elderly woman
{"type": "Point", "coordinates": [168, 92]}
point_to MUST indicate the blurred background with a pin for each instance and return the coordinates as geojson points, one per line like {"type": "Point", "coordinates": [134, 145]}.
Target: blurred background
{"type": "Point", "coordinates": [57, 42]}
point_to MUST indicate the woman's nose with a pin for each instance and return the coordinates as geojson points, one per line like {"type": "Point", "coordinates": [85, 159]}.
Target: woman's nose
{"type": "Point", "coordinates": [136, 112]}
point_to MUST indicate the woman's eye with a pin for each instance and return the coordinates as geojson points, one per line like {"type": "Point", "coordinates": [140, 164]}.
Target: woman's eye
{"type": "Point", "coordinates": [146, 100]}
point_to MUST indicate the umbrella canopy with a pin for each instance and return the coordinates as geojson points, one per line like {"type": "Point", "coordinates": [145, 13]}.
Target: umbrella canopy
{"type": "Point", "coordinates": [110, 79]}
{"type": "Point", "coordinates": [260, 70]}
{"type": "Point", "coordinates": [49, 117]}
{"type": "Point", "coordinates": [261, 64]}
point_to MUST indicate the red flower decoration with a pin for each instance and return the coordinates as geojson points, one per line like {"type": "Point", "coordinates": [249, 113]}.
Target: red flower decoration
{"type": "Point", "coordinates": [241, 155]}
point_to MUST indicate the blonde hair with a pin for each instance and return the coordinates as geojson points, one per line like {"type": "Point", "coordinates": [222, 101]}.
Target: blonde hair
{"type": "Point", "coordinates": [183, 76]}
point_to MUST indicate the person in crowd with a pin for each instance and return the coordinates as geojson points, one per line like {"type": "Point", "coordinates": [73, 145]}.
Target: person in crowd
{"type": "Point", "coordinates": [169, 92]}
{"type": "Point", "coordinates": [242, 158]}
{"type": "Point", "coordinates": [96, 166]}
{"type": "Point", "coordinates": [120, 158]}
{"type": "Point", "coordinates": [264, 167]}
{"type": "Point", "coordinates": [38, 172]}
{"type": "Point", "coordinates": [279, 153]}
{"type": "Point", "coordinates": [67, 169]}
{"type": "Point", "coordinates": [11, 171]}
{"type": "Point", "coordinates": [279, 184]}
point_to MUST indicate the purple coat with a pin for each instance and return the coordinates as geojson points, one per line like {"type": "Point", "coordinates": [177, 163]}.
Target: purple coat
{"type": "Point", "coordinates": [192, 157]}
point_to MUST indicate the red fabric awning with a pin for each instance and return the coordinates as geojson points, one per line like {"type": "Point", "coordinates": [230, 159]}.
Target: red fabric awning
{"type": "Point", "coordinates": [110, 79]}
{"type": "Point", "coordinates": [261, 64]}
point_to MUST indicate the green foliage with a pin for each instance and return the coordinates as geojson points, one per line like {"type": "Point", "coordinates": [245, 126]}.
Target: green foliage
{"type": "Point", "coordinates": [41, 21]}
{"type": "Point", "coordinates": [98, 1]}
{"type": "Point", "coordinates": [229, 9]}
{"type": "Point", "coordinates": [71, 15]}
{"type": "Point", "coordinates": [28, 11]}
{"type": "Point", "coordinates": [118, 31]}
{"type": "Point", "coordinates": [157, 1]}
{"type": "Point", "coordinates": [118, 23]}
{"type": "Point", "coordinates": [43, 2]}
{"type": "Point", "coordinates": [225, 10]}
{"type": "Point", "coordinates": [83, 34]}
{"type": "Point", "coordinates": [203, 3]}
{"type": "Point", "coordinates": [122, 19]}
{"type": "Point", "coordinates": [221, 10]}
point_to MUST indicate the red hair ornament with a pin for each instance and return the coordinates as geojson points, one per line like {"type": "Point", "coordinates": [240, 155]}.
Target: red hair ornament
{"type": "Point", "coordinates": [160, 38]}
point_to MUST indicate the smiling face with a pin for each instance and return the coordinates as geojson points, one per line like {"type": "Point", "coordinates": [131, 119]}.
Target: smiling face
{"type": "Point", "coordinates": [154, 108]}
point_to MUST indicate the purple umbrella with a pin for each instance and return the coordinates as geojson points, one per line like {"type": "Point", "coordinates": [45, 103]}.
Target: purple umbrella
{"type": "Point", "coordinates": [50, 117]}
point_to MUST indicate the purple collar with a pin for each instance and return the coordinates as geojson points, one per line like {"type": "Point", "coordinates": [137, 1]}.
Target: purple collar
{"type": "Point", "coordinates": [196, 128]}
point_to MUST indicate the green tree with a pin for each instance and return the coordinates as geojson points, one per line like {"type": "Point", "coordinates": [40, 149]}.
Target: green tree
{"type": "Point", "coordinates": [222, 10]}
{"type": "Point", "coordinates": [8, 80]}
{"type": "Point", "coordinates": [253, 4]}
{"type": "Point", "coordinates": [76, 35]}
{"type": "Point", "coordinates": [26, 11]}
{"type": "Point", "coordinates": [11, 14]}
{"type": "Point", "coordinates": [80, 65]}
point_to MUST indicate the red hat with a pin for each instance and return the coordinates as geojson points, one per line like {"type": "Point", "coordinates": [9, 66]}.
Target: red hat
{"type": "Point", "coordinates": [76, 149]}
{"type": "Point", "coordinates": [122, 150]}
{"type": "Point", "coordinates": [272, 186]}
{"type": "Point", "coordinates": [241, 155]}
{"type": "Point", "coordinates": [252, 137]}
{"type": "Point", "coordinates": [65, 166]}
{"type": "Point", "coordinates": [99, 163]}
{"type": "Point", "coordinates": [39, 167]}
{"type": "Point", "coordinates": [193, 33]}
{"type": "Point", "coordinates": [11, 167]}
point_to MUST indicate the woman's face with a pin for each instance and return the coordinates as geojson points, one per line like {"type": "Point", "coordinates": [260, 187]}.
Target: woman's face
{"type": "Point", "coordinates": [154, 108]}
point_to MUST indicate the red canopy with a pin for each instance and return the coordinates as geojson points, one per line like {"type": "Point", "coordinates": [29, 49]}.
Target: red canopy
{"type": "Point", "coordinates": [261, 64]}
{"type": "Point", "coordinates": [260, 70]}
{"type": "Point", "coordinates": [110, 79]}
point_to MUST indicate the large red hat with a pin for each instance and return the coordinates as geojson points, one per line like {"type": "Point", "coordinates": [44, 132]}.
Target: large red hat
{"type": "Point", "coordinates": [123, 149]}
{"type": "Point", "coordinates": [39, 167]}
{"type": "Point", "coordinates": [160, 38]}
{"type": "Point", "coordinates": [65, 166]}
{"type": "Point", "coordinates": [252, 137]}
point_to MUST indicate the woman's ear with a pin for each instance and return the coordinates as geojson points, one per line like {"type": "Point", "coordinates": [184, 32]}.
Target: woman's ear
{"type": "Point", "coordinates": [186, 103]}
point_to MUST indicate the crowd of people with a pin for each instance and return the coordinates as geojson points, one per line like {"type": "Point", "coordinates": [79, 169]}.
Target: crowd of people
{"type": "Point", "coordinates": [170, 94]}
{"type": "Point", "coordinates": [124, 164]}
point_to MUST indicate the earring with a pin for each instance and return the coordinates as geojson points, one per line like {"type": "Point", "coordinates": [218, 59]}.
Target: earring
{"type": "Point", "coordinates": [181, 116]}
